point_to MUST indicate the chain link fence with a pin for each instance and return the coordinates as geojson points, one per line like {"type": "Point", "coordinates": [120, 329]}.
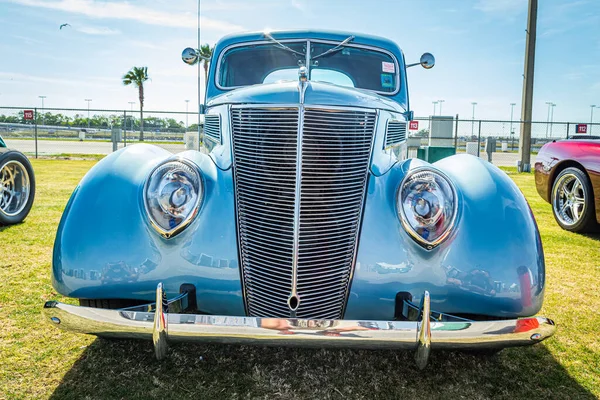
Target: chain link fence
{"type": "Point", "coordinates": [72, 132]}
{"type": "Point", "coordinates": [496, 141]}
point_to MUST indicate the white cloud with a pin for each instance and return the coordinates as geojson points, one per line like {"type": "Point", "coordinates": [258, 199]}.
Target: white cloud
{"type": "Point", "coordinates": [299, 5]}
{"type": "Point", "coordinates": [127, 11]}
{"type": "Point", "coordinates": [28, 40]}
{"type": "Point", "coordinates": [501, 8]}
{"type": "Point", "coordinates": [15, 77]}
{"type": "Point", "coordinates": [96, 30]}
{"type": "Point", "coordinates": [146, 45]}
{"type": "Point", "coordinates": [574, 76]}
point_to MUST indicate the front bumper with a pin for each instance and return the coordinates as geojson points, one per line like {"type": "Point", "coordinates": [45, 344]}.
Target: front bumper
{"type": "Point", "coordinates": [161, 326]}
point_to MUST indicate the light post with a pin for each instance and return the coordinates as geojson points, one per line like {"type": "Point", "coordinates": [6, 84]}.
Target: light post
{"type": "Point", "coordinates": [434, 106]}
{"type": "Point", "coordinates": [441, 101]}
{"type": "Point", "coordinates": [131, 103]}
{"type": "Point", "coordinates": [548, 118]}
{"type": "Point", "coordinates": [88, 118]}
{"type": "Point", "coordinates": [187, 103]}
{"type": "Point", "coordinates": [552, 105]}
{"type": "Point", "coordinates": [512, 134]}
{"type": "Point", "coordinates": [43, 118]}
{"type": "Point", "coordinates": [473, 120]}
{"type": "Point", "coordinates": [592, 116]}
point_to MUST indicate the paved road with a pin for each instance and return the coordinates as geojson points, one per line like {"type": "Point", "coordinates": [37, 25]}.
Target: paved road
{"type": "Point", "coordinates": [49, 147]}
{"type": "Point", "coordinates": [500, 159]}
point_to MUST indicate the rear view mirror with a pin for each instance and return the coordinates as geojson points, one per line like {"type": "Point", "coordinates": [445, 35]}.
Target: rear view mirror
{"type": "Point", "coordinates": [189, 56]}
{"type": "Point", "coordinates": [427, 60]}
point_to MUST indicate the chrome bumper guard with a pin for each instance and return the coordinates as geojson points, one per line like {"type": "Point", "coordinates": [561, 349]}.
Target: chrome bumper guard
{"type": "Point", "coordinates": [161, 326]}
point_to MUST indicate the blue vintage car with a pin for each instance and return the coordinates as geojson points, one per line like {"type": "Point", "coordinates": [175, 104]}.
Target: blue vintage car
{"type": "Point", "coordinates": [17, 185]}
{"type": "Point", "coordinates": [301, 221]}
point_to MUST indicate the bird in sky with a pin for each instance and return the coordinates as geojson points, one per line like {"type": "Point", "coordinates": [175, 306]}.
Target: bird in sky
{"type": "Point", "coordinates": [63, 25]}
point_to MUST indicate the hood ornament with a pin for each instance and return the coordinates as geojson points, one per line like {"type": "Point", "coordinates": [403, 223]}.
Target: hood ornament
{"type": "Point", "coordinates": [303, 74]}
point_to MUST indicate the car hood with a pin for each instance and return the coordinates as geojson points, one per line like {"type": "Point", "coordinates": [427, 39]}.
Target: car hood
{"type": "Point", "coordinates": [316, 93]}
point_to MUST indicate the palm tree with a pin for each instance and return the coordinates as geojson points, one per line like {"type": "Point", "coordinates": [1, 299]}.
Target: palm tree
{"type": "Point", "coordinates": [137, 76]}
{"type": "Point", "coordinates": [205, 55]}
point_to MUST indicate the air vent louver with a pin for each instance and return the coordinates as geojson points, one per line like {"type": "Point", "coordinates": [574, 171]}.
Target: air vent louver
{"type": "Point", "coordinates": [395, 133]}
{"type": "Point", "coordinates": [212, 128]}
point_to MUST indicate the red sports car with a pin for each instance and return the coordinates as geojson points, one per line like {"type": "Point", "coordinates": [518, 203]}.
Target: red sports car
{"type": "Point", "coordinates": [567, 175]}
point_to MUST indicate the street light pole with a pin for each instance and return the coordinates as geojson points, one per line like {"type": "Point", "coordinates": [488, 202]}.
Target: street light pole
{"type": "Point", "coordinates": [441, 101]}
{"type": "Point", "coordinates": [527, 96]}
{"type": "Point", "coordinates": [187, 103]}
{"type": "Point", "coordinates": [43, 118]}
{"type": "Point", "coordinates": [434, 106]}
{"type": "Point", "coordinates": [473, 120]}
{"type": "Point", "coordinates": [592, 116]}
{"type": "Point", "coordinates": [551, 117]}
{"type": "Point", "coordinates": [512, 107]}
{"type": "Point", "coordinates": [131, 103]}
{"type": "Point", "coordinates": [88, 101]}
{"type": "Point", "coordinates": [548, 118]}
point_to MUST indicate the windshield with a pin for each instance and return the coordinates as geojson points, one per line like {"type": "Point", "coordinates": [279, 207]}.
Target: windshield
{"type": "Point", "coordinates": [347, 66]}
{"type": "Point", "coordinates": [249, 65]}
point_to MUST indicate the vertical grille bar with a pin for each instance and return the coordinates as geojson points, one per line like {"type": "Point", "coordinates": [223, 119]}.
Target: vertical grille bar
{"type": "Point", "coordinates": [324, 207]}
{"type": "Point", "coordinates": [336, 149]}
{"type": "Point", "coordinates": [264, 143]}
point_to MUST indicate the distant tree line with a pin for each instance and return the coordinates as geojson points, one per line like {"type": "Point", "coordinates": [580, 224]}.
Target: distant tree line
{"type": "Point", "coordinates": [102, 121]}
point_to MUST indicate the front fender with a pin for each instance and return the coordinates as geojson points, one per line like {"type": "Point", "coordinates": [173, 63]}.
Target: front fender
{"type": "Point", "coordinates": [105, 247]}
{"type": "Point", "coordinates": [492, 264]}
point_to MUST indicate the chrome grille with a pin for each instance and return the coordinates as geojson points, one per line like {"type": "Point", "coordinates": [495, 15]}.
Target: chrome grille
{"type": "Point", "coordinates": [395, 133]}
{"type": "Point", "coordinates": [299, 238]}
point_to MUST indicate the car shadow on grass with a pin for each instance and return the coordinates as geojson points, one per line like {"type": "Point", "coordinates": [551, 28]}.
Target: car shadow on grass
{"type": "Point", "coordinates": [12, 226]}
{"type": "Point", "coordinates": [594, 236]}
{"type": "Point", "coordinates": [128, 370]}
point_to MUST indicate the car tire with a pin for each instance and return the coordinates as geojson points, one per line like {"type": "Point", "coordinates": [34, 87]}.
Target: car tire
{"type": "Point", "coordinates": [17, 187]}
{"type": "Point", "coordinates": [572, 201]}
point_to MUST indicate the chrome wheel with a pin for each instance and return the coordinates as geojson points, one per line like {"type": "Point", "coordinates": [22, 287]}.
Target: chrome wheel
{"type": "Point", "coordinates": [568, 199]}
{"type": "Point", "coordinates": [15, 188]}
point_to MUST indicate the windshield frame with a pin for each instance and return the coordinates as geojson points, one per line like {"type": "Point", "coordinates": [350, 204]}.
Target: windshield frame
{"type": "Point", "coordinates": [308, 59]}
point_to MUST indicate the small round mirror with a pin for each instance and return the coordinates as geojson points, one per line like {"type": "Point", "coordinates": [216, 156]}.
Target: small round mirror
{"type": "Point", "coordinates": [427, 60]}
{"type": "Point", "coordinates": [189, 56]}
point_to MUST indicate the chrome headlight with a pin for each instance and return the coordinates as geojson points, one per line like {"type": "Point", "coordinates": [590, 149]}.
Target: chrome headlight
{"type": "Point", "coordinates": [426, 205]}
{"type": "Point", "coordinates": [172, 196]}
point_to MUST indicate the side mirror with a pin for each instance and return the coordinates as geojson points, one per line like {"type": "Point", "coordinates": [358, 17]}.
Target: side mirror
{"type": "Point", "coordinates": [189, 56]}
{"type": "Point", "coordinates": [427, 60]}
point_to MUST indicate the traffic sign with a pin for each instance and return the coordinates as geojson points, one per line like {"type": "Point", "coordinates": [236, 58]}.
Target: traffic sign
{"type": "Point", "coordinates": [414, 125]}
{"type": "Point", "coordinates": [581, 128]}
{"type": "Point", "coordinates": [27, 114]}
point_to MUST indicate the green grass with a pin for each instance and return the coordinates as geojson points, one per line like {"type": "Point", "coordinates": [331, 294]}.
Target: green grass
{"type": "Point", "coordinates": [39, 361]}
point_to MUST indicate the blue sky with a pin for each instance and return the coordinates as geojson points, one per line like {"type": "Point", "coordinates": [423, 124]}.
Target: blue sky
{"type": "Point", "coordinates": [479, 48]}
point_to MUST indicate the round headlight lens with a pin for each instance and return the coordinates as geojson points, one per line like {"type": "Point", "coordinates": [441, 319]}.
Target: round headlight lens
{"type": "Point", "coordinates": [172, 196]}
{"type": "Point", "coordinates": [427, 206]}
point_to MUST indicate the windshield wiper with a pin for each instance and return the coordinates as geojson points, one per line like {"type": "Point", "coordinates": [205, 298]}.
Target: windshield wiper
{"type": "Point", "coordinates": [281, 45]}
{"type": "Point", "coordinates": [335, 49]}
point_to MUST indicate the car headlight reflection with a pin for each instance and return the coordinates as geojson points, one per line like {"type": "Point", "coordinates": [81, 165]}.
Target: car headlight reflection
{"type": "Point", "coordinates": [172, 196]}
{"type": "Point", "coordinates": [426, 204]}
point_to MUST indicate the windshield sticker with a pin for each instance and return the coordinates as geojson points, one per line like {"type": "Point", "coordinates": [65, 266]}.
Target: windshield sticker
{"type": "Point", "coordinates": [387, 81]}
{"type": "Point", "coordinates": [388, 67]}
